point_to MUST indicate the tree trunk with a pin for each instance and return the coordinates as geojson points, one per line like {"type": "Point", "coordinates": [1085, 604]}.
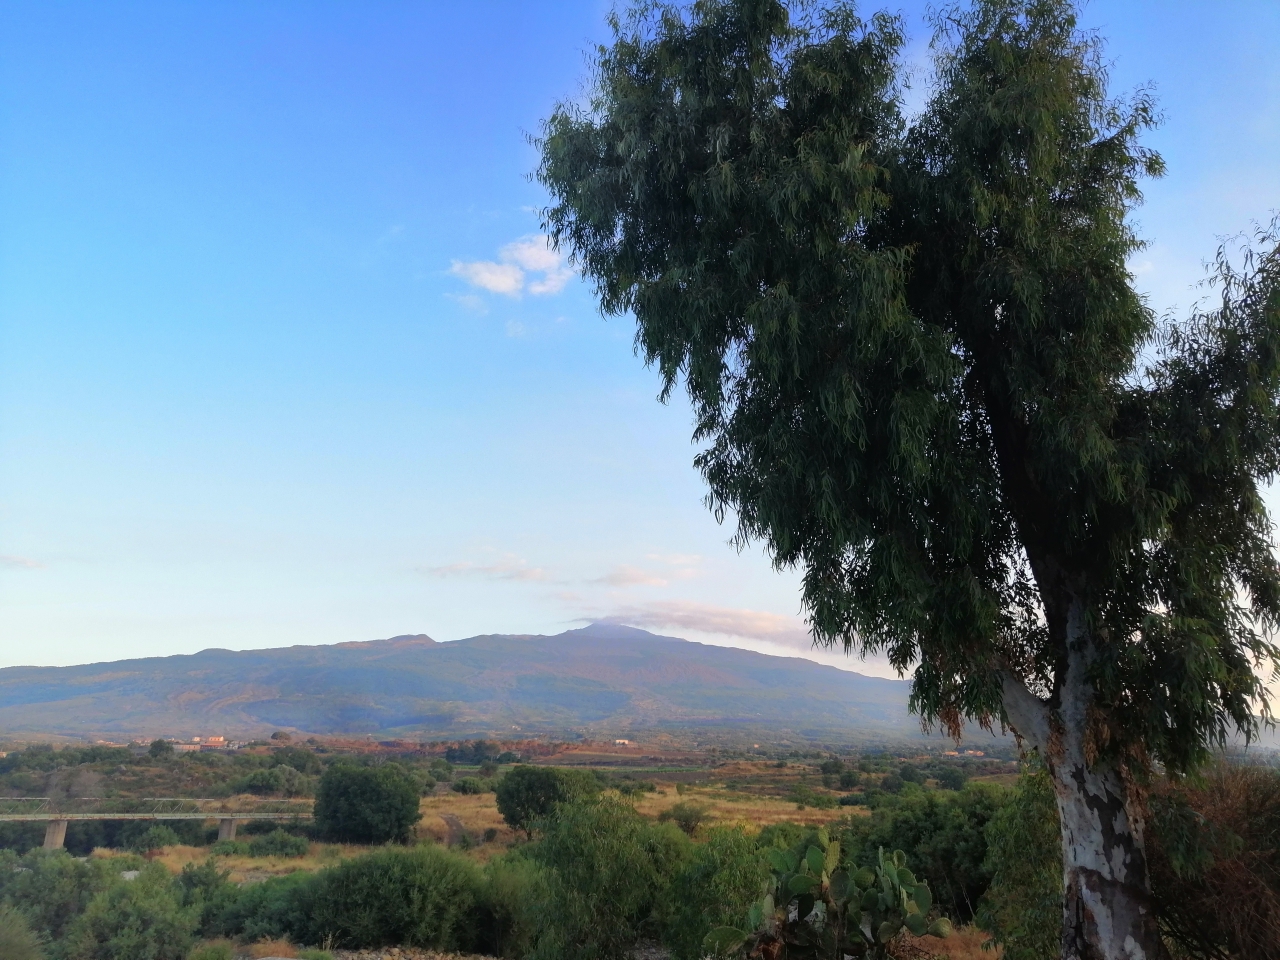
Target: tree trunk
{"type": "Point", "coordinates": [1107, 907]}
{"type": "Point", "coordinates": [1108, 913]}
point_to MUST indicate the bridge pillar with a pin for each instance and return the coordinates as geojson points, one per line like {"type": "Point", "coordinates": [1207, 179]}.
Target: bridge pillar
{"type": "Point", "coordinates": [226, 829]}
{"type": "Point", "coordinates": [55, 834]}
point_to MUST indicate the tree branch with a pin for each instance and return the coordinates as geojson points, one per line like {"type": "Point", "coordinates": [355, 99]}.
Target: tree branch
{"type": "Point", "coordinates": [1027, 713]}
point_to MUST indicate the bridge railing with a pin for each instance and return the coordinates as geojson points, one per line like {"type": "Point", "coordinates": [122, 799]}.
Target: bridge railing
{"type": "Point", "coordinates": [105, 806]}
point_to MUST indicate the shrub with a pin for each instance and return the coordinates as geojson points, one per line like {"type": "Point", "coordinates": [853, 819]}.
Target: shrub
{"type": "Point", "coordinates": [1022, 908]}
{"type": "Point", "coordinates": [276, 907]}
{"type": "Point", "coordinates": [160, 749]}
{"type": "Point", "coordinates": [945, 834]}
{"type": "Point", "coordinates": [528, 794]}
{"type": "Point", "coordinates": [512, 890]}
{"type": "Point", "coordinates": [138, 920]}
{"type": "Point", "coordinates": [284, 781]}
{"type": "Point", "coordinates": [686, 815]}
{"type": "Point", "coordinates": [17, 940]}
{"type": "Point", "coordinates": [366, 804]}
{"type": "Point", "coordinates": [154, 837]}
{"type": "Point", "coordinates": [606, 870]}
{"type": "Point", "coordinates": [311, 953]}
{"type": "Point", "coordinates": [51, 888]}
{"type": "Point", "coordinates": [217, 950]}
{"type": "Point", "coordinates": [278, 843]}
{"type": "Point", "coordinates": [715, 889]}
{"type": "Point", "coordinates": [951, 778]}
{"type": "Point", "coordinates": [210, 890]}
{"type": "Point", "coordinates": [849, 779]}
{"type": "Point", "coordinates": [472, 785]}
{"type": "Point", "coordinates": [230, 848]}
{"type": "Point", "coordinates": [807, 797]}
{"type": "Point", "coordinates": [420, 897]}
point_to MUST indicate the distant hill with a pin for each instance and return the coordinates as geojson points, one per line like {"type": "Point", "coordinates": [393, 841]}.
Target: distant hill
{"type": "Point", "coordinates": [603, 678]}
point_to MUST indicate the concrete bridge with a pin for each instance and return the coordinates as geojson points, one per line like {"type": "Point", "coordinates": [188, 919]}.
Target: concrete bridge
{"type": "Point", "coordinates": [57, 815]}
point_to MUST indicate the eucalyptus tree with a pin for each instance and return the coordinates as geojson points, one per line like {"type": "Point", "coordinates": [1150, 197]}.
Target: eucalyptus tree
{"type": "Point", "coordinates": [922, 375]}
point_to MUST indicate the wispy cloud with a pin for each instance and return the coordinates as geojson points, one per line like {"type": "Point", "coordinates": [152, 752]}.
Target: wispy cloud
{"type": "Point", "coordinates": [507, 568]}
{"type": "Point", "coordinates": [723, 621]}
{"type": "Point", "coordinates": [528, 265]}
{"type": "Point", "coordinates": [20, 563]}
{"type": "Point", "coordinates": [628, 576]}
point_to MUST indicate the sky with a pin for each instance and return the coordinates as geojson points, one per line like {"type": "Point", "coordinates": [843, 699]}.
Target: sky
{"type": "Point", "coordinates": [285, 359]}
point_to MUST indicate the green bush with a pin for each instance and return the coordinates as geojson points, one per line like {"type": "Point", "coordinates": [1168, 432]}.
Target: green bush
{"type": "Point", "coordinates": [1022, 907]}
{"type": "Point", "coordinates": [513, 887]}
{"type": "Point", "coordinates": [311, 953]}
{"type": "Point", "coordinates": [528, 794]}
{"type": "Point", "coordinates": [230, 848]}
{"type": "Point", "coordinates": [276, 907]}
{"type": "Point", "coordinates": [714, 889]}
{"type": "Point", "coordinates": [141, 919]}
{"type": "Point", "coordinates": [17, 940]}
{"type": "Point", "coordinates": [607, 869]}
{"type": "Point", "coordinates": [472, 785]}
{"type": "Point", "coordinates": [366, 804]}
{"type": "Point", "coordinates": [210, 890]}
{"type": "Point", "coordinates": [51, 888]}
{"type": "Point", "coordinates": [419, 897]}
{"type": "Point", "coordinates": [687, 815]}
{"type": "Point", "coordinates": [221, 950]}
{"type": "Point", "coordinates": [155, 837]}
{"type": "Point", "coordinates": [944, 833]}
{"type": "Point", "coordinates": [279, 843]}
{"type": "Point", "coordinates": [283, 781]}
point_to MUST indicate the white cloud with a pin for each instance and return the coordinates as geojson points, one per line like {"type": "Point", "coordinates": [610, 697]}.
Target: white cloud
{"type": "Point", "coordinates": [20, 563]}
{"type": "Point", "coordinates": [507, 568]}
{"type": "Point", "coordinates": [515, 328]}
{"type": "Point", "coordinates": [627, 576]}
{"type": "Point", "coordinates": [518, 268]}
{"type": "Point", "coordinates": [504, 278]}
{"type": "Point", "coordinates": [725, 621]}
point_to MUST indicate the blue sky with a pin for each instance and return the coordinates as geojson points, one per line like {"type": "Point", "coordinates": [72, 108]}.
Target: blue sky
{"type": "Point", "coordinates": [283, 360]}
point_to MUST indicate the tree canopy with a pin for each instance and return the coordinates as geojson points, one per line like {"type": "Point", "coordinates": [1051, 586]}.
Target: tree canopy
{"type": "Point", "coordinates": [921, 372]}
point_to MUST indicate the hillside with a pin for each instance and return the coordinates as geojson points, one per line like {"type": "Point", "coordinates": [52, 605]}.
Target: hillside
{"type": "Point", "coordinates": [602, 678]}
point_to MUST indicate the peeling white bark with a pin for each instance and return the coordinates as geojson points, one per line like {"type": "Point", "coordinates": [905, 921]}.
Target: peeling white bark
{"type": "Point", "coordinates": [1107, 907]}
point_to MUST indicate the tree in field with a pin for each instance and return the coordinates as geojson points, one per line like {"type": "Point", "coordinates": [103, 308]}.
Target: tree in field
{"type": "Point", "coordinates": [366, 804]}
{"type": "Point", "coordinates": [528, 794]}
{"type": "Point", "coordinates": [921, 374]}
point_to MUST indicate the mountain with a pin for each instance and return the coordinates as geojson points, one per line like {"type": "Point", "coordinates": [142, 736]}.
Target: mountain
{"type": "Point", "coordinates": [603, 678]}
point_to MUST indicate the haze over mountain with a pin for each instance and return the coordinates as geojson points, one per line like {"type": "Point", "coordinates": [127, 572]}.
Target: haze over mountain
{"type": "Point", "coordinates": [604, 679]}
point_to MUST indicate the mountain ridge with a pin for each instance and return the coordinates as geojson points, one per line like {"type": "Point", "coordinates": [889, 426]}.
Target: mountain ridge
{"type": "Point", "coordinates": [604, 677]}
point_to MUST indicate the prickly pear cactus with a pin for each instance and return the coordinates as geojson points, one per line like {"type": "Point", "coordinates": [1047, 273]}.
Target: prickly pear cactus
{"type": "Point", "coordinates": [812, 908]}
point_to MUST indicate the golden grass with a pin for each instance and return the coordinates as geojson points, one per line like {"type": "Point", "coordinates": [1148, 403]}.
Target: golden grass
{"type": "Point", "coordinates": [750, 812]}
{"type": "Point", "coordinates": [249, 868]}
{"type": "Point", "coordinates": [965, 943]}
{"type": "Point", "coordinates": [272, 948]}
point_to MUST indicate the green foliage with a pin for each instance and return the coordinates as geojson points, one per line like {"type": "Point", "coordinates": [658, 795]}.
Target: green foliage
{"type": "Point", "coordinates": [220, 950]}
{"type": "Point", "coordinates": [1022, 907]}
{"type": "Point", "coordinates": [312, 953]}
{"type": "Point", "coordinates": [279, 843]}
{"type": "Point", "coordinates": [51, 888]}
{"type": "Point", "coordinates": [814, 907]}
{"type": "Point", "coordinates": [950, 778]}
{"type": "Point", "coordinates": [276, 907]}
{"type": "Point", "coordinates": [807, 797]}
{"type": "Point", "coordinates": [946, 835]}
{"type": "Point", "coordinates": [849, 779]}
{"type": "Point", "coordinates": [419, 897]}
{"type": "Point", "coordinates": [687, 815]}
{"type": "Point", "coordinates": [513, 888]}
{"type": "Point", "coordinates": [606, 870]}
{"type": "Point", "coordinates": [142, 919]}
{"type": "Point", "coordinates": [472, 785]}
{"type": "Point", "coordinates": [160, 750]}
{"type": "Point", "coordinates": [210, 890]}
{"type": "Point", "coordinates": [921, 372]}
{"type": "Point", "coordinates": [528, 794]}
{"type": "Point", "coordinates": [17, 940]}
{"type": "Point", "coordinates": [366, 804]}
{"type": "Point", "coordinates": [441, 769]}
{"type": "Point", "coordinates": [155, 837]}
{"type": "Point", "coordinates": [714, 889]}
{"type": "Point", "coordinates": [230, 848]}
{"type": "Point", "coordinates": [299, 758]}
{"type": "Point", "coordinates": [284, 781]}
